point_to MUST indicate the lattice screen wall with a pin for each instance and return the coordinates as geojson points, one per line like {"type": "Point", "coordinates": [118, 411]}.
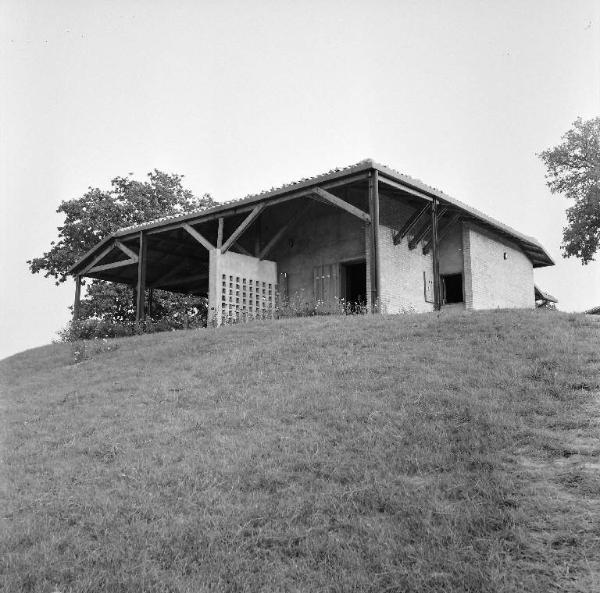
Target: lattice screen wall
{"type": "Point", "coordinates": [244, 298]}
{"type": "Point", "coordinates": [240, 287]}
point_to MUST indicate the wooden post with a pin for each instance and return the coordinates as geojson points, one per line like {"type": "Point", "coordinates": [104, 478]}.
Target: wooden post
{"type": "Point", "coordinates": [141, 280]}
{"type": "Point", "coordinates": [435, 256]}
{"type": "Point", "coordinates": [374, 238]}
{"type": "Point", "coordinates": [220, 233]}
{"type": "Point", "coordinates": [257, 239]}
{"type": "Point", "coordinates": [76, 304]}
{"type": "Point", "coordinates": [150, 301]}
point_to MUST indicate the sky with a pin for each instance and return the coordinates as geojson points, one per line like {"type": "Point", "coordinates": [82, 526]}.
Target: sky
{"type": "Point", "coordinates": [242, 96]}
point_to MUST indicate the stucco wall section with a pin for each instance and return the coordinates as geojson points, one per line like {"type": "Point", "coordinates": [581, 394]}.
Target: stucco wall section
{"type": "Point", "coordinates": [401, 268]}
{"type": "Point", "coordinates": [240, 286]}
{"type": "Point", "coordinates": [497, 273]}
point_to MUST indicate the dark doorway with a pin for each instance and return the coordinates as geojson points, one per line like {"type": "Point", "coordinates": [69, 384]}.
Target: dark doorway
{"type": "Point", "coordinates": [452, 286]}
{"type": "Point", "coordinates": [354, 278]}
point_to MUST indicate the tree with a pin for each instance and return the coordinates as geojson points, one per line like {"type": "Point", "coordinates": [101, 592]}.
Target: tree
{"type": "Point", "coordinates": [573, 169]}
{"type": "Point", "coordinates": [98, 213]}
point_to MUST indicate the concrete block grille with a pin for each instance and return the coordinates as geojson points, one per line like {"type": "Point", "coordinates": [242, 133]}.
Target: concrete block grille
{"type": "Point", "coordinates": [246, 298]}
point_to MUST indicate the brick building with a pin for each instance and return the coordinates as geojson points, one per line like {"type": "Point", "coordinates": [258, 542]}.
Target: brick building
{"type": "Point", "coordinates": [363, 233]}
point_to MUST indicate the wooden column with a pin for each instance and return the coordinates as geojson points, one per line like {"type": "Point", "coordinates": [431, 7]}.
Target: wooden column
{"type": "Point", "coordinates": [76, 304]}
{"type": "Point", "coordinates": [374, 238]}
{"type": "Point", "coordinates": [435, 256]}
{"type": "Point", "coordinates": [150, 301]}
{"type": "Point", "coordinates": [220, 233]}
{"type": "Point", "coordinates": [141, 280]}
{"type": "Point", "coordinates": [257, 239]}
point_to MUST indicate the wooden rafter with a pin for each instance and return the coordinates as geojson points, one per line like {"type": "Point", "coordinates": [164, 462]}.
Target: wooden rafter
{"type": "Point", "coordinates": [242, 249]}
{"type": "Point", "coordinates": [286, 227]}
{"type": "Point", "coordinates": [404, 188]}
{"type": "Point", "coordinates": [425, 230]}
{"type": "Point", "coordinates": [113, 265]}
{"type": "Point", "coordinates": [335, 201]}
{"type": "Point", "coordinates": [242, 227]}
{"type": "Point", "coordinates": [97, 259]}
{"type": "Point", "coordinates": [443, 232]}
{"type": "Point", "coordinates": [411, 223]}
{"type": "Point", "coordinates": [128, 252]}
{"type": "Point", "coordinates": [199, 237]}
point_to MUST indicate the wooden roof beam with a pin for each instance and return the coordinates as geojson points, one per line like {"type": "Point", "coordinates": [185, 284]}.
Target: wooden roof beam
{"type": "Point", "coordinates": [411, 223]}
{"type": "Point", "coordinates": [112, 266]}
{"type": "Point", "coordinates": [404, 188]}
{"type": "Point", "coordinates": [445, 230]}
{"type": "Point", "coordinates": [335, 201]}
{"type": "Point", "coordinates": [129, 252]}
{"type": "Point", "coordinates": [425, 230]}
{"type": "Point", "coordinates": [97, 259]}
{"type": "Point", "coordinates": [198, 236]}
{"type": "Point", "coordinates": [243, 227]}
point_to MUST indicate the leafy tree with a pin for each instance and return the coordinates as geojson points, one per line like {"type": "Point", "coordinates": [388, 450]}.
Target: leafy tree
{"type": "Point", "coordinates": [98, 213]}
{"type": "Point", "coordinates": [573, 169]}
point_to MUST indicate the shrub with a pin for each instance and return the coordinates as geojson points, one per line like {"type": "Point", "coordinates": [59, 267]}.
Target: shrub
{"type": "Point", "coordinates": [98, 329]}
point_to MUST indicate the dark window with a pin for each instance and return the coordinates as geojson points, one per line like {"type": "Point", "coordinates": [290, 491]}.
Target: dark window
{"type": "Point", "coordinates": [452, 287]}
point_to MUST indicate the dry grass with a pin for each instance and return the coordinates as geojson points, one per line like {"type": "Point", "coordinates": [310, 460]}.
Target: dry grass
{"type": "Point", "coordinates": [414, 453]}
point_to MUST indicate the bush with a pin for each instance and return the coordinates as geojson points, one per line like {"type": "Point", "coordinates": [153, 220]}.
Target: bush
{"type": "Point", "coordinates": [98, 329]}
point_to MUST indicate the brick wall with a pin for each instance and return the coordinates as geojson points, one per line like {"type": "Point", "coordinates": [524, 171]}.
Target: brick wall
{"type": "Point", "coordinates": [401, 269]}
{"type": "Point", "coordinates": [497, 273]}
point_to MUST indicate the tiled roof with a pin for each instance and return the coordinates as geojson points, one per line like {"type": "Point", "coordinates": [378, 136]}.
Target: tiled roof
{"type": "Point", "coordinates": [307, 182]}
{"type": "Point", "coordinates": [250, 197]}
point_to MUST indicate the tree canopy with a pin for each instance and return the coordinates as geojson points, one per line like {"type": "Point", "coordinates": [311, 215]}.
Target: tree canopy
{"type": "Point", "coordinates": [95, 215]}
{"type": "Point", "coordinates": [573, 170]}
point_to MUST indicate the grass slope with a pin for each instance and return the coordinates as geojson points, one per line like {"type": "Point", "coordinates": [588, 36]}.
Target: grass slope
{"type": "Point", "coordinates": [413, 453]}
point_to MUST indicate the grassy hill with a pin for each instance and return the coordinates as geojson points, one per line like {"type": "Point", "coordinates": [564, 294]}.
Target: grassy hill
{"type": "Point", "coordinates": [426, 453]}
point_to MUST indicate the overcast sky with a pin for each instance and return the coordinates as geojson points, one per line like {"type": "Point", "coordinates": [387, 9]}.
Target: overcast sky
{"type": "Point", "coordinates": [242, 96]}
